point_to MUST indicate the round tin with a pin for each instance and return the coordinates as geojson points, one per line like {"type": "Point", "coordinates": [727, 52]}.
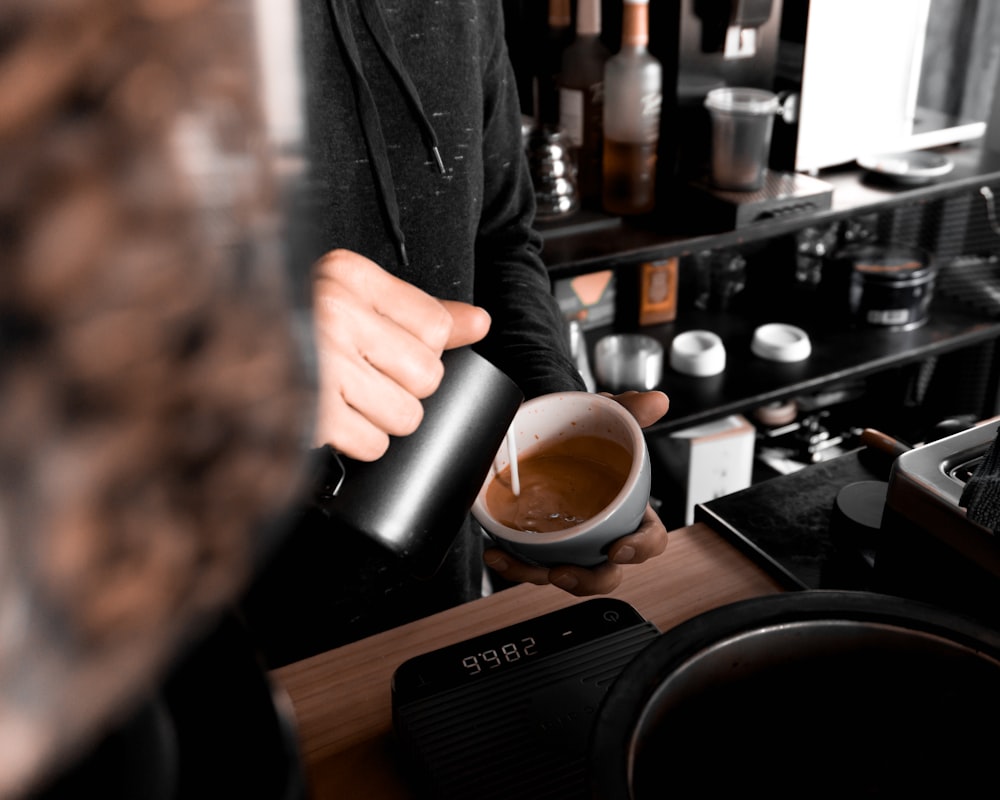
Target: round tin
{"type": "Point", "coordinates": [890, 286]}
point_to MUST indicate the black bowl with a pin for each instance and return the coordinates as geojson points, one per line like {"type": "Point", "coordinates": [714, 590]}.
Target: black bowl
{"type": "Point", "coordinates": [805, 694]}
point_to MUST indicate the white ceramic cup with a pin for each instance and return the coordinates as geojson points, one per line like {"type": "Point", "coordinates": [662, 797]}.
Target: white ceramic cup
{"type": "Point", "coordinates": [552, 418]}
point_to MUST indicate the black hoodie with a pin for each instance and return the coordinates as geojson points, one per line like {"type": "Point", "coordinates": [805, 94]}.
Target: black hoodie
{"type": "Point", "coordinates": [414, 131]}
{"type": "Point", "coordinates": [391, 88]}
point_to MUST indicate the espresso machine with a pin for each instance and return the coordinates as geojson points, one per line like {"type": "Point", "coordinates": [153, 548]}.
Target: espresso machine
{"type": "Point", "coordinates": [929, 545]}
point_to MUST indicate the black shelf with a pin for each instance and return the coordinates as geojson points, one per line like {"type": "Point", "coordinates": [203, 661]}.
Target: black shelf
{"type": "Point", "coordinates": [842, 349]}
{"type": "Point", "coordinates": [594, 241]}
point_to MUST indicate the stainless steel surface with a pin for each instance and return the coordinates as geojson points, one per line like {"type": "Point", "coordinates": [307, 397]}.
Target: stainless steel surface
{"type": "Point", "coordinates": [578, 350]}
{"type": "Point", "coordinates": [929, 547]}
{"type": "Point", "coordinates": [553, 173]}
{"type": "Point", "coordinates": [910, 168]}
{"type": "Point", "coordinates": [932, 470]}
{"type": "Point", "coordinates": [628, 361]}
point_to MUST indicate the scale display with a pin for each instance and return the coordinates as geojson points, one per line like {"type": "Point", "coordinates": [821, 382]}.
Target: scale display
{"type": "Point", "coordinates": [508, 713]}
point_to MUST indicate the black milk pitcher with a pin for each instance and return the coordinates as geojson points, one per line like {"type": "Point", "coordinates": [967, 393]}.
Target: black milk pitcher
{"type": "Point", "coordinates": [415, 498]}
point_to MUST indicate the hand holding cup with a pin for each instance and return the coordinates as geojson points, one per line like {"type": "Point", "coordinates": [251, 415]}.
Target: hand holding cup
{"type": "Point", "coordinates": [585, 480]}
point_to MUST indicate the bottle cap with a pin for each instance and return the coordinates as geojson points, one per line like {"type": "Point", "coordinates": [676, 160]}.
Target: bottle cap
{"type": "Point", "coordinates": [741, 100]}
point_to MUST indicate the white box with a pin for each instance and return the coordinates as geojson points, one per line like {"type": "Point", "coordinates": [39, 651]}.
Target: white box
{"type": "Point", "coordinates": [709, 460]}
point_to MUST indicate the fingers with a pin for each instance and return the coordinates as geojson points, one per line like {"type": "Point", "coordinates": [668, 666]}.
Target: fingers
{"type": "Point", "coordinates": [384, 294]}
{"type": "Point", "coordinates": [379, 322]}
{"type": "Point", "coordinates": [439, 324]}
{"type": "Point", "coordinates": [649, 541]}
{"type": "Point", "coordinates": [646, 407]}
{"type": "Point", "coordinates": [580, 581]}
{"type": "Point", "coordinates": [378, 346]}
{"type": "Point", "coordinates": [513, 569]}
{"type": "Point", "coordinates": [358, 407]}
{"type": "Point", "coordinates": [583, 582]}
{"type": "Point", "coordinates": [469, 323]}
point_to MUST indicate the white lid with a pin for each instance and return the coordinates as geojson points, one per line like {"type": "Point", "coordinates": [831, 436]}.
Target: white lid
{"type": "Point", "coordinates": [742, 100]}
{"type": "Point", "coordinates": [698, 353]}
{"type": "Point", "coordinates": [777, 341]}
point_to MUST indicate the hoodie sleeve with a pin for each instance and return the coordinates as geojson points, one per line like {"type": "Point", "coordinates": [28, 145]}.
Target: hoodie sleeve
{"type": "Point", "coordinates": [527, 339]}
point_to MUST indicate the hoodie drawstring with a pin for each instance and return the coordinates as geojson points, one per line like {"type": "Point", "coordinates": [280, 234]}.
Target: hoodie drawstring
{"type": "Point", "coordinates": [368, 112]}
{"type": "Point", "coordinates": [371, 10]}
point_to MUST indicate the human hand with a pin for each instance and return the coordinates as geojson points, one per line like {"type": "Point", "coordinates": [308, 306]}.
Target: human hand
{"type": "Point", "coordinates": [379, 341]}
{"type": "Point", "coordinates": [646, 407]}
{"type": "Point", "coordinates": [648, 541]}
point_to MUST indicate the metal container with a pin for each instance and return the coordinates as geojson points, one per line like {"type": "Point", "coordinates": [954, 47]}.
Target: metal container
{"type": "Point", "coordinates": [553, 174]}
{"type": "Point", "coordinates": [890, 286]}
{"type": "Point", "coordinates": [628, 361]}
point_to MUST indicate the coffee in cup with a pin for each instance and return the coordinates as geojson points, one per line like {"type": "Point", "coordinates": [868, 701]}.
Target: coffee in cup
{"type": "Point", "coordinates": [584, 480]}
{"type": "Point", "coordinates": [561, 484]}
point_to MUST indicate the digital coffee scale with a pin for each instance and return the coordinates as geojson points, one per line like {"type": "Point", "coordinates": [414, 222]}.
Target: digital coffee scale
{"type": "Point", "coordinates": [508, 714]}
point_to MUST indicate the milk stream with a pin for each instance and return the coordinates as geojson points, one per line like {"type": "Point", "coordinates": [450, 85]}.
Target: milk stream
{"type": "Point", "coordinates": [515, 481]}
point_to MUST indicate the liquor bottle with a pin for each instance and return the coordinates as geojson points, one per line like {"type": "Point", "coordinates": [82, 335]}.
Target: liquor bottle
{"type": "Point", "coordinates": [633, 92]}
{"type": "Point", "coordinates": [581, 99]}
{"type": "Point", "coordinates": [558, 34]}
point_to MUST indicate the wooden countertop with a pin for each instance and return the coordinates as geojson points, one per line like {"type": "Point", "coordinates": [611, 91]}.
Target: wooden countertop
{"type": "Point", "coordinates": [342, 701]}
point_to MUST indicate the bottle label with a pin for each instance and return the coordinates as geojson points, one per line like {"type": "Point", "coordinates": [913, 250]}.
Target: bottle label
{"type": "Point", "coordinates": [571, 114]}
{"type": "Point", "coordinates": [650, 104]}
{"type": "Point", "coordinates": [658, 291]}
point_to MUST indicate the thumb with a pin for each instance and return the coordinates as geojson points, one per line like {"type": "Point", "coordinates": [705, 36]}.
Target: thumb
{"type": "Point", "coordinates": [469, 323]}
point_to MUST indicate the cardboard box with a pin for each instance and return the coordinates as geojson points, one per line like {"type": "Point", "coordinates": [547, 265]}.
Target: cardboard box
{"type": "Point", "coordinates": [658, 291]}
{"type": "Point", "coordinates": [709, 460]}
{"type": "Point", "coordinates": [588, 298]}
